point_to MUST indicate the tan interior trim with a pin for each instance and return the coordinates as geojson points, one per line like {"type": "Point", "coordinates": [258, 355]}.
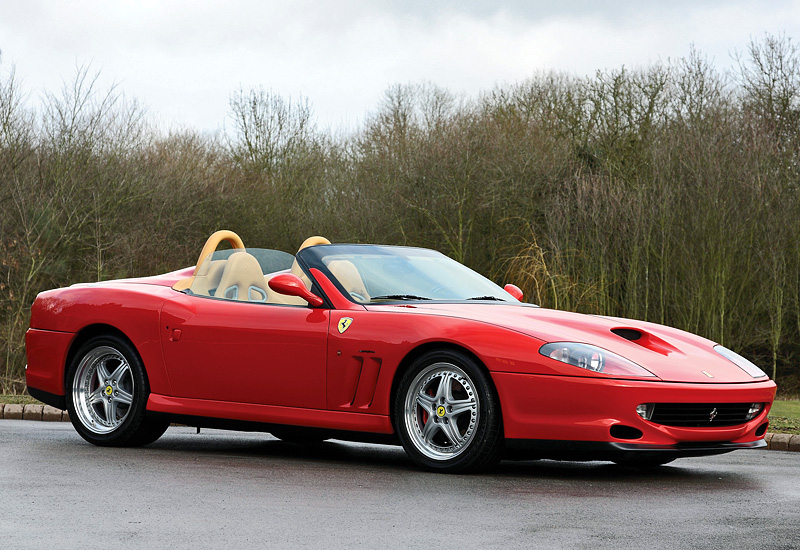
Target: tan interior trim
{"type": "Point", "coordinates": [347, 274]}
{"type": "Point", "coordinates": [313, 241]}
{"type": "Point", "coordinates": [211, 245]}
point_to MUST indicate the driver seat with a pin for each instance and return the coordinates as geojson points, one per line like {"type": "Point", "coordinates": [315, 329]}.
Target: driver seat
{"type": "Point", "coordinates": [347, 274]}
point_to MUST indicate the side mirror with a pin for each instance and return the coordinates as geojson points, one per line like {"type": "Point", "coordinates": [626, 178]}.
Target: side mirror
{"type": "Point", "coordinates": [291, 285]}
{"type": "Point", "coordinates": [514, 290]}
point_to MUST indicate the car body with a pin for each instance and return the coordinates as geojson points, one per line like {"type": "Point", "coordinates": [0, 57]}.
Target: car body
{"type": "Point", "coordinates": [383, 344]}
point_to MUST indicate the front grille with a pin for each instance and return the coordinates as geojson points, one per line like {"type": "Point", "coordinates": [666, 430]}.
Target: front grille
{"type": "Point", "coordinates": [700, 415]}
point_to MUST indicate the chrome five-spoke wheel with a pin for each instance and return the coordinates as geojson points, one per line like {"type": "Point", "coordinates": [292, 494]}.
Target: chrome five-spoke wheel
{"type": "Point", "coordinates": [102, 390]}
{"type": "Point", "coordinates": [107, 390]}
{"type": "Point", "coordinates": [441, 411]}
{"type": "Point", "coordinates": [446, 413]}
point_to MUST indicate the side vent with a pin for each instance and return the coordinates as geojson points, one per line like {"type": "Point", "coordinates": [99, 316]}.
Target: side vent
{"type": "Point", "coordinates": [367, 383]}
{"type": "Point", "coordinates": [627, 333]}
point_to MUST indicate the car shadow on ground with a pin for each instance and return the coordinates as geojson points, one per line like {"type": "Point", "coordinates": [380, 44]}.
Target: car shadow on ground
{"type": "Point", "coordinates": [224, 443]}
{"type": "Point", "coordinates": [334, 453]}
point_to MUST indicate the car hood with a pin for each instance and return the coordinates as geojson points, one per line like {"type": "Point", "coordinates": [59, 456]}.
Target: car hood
{"type": "Point", "coordinates": [672, 355]}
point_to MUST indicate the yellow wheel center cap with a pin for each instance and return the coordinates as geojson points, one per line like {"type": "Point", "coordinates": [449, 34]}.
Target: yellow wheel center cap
{"type": "Point", "coordinates": [109, 390]}
{"type": "Point", "coordinates": [440, 411]}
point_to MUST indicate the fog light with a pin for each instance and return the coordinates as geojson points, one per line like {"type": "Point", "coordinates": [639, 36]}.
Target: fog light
{"type": "Point", "coordinates": [755, 409]}
{"type": "Point", "coordinates": [645, 410]}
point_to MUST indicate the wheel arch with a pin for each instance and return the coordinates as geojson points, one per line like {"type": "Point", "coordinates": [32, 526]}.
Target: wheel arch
{"type": "Point", "coordinates": [420, 350]}
{"type": "Point", "coordinates": [87, 333]}
{"type": "Point", "coordinates": [137, 427]}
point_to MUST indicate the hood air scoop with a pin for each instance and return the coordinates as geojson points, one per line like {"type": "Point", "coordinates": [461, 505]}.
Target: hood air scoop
{"type": "Point", "coordinates": [628, 333]}
{"type": "Point", "coordinates": [646, 340]}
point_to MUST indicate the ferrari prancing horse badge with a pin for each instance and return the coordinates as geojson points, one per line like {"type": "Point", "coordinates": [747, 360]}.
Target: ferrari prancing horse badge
{"type": "Point", "coordinates": [344, 324]}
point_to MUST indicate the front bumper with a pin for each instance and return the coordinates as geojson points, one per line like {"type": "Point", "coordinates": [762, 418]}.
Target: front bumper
{"type": "Point", "coordinates": [576, 410]}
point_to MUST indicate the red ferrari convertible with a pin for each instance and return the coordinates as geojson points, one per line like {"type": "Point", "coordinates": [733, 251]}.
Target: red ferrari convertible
{"type": "Point", "coordinates": [383, 344]}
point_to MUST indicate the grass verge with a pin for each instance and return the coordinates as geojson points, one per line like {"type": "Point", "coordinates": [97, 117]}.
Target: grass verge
{"type": "Point", "coordinates": [784, 417]}
{"type": "Point", "coordinates": [21, 399]}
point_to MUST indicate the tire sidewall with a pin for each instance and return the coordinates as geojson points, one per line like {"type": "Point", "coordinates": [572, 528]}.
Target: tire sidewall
{"type": "Point", "coordinates": [124, 433]}
{"type": "Point", "coordinates": [483, 450]}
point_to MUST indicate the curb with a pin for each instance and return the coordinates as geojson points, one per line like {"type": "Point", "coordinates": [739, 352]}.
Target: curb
{"type": "Point", "coordinates": [46, 413]}
{"type": "Point", "coordinates": [783, 442]}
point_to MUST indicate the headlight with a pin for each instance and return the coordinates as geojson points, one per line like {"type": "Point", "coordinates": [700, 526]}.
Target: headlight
{"type": "Point", "coordinates": [740, 362]}
{"type": "Point", "coordinates": [593, 358]}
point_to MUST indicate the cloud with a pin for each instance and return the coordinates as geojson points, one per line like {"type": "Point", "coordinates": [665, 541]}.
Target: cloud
{"type": "Point", "coordinates": [184, 58]}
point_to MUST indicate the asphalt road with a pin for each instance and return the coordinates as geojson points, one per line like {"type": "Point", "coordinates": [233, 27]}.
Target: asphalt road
{"type": "Point", "coordinates": [233, 490]}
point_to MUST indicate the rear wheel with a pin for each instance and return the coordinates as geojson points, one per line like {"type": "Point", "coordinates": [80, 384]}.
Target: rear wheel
{"type": "Point", "coordinates": [447, 415]}
{"type": "Point", "coordinates": [107, 390]}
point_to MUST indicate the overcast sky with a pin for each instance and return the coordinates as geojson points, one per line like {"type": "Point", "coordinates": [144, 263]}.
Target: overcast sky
{"type": "Point", "coordinates": [182, 59]}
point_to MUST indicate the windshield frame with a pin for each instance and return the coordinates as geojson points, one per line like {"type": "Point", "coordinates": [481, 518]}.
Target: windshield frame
{"type": "Point", "coordinates": [315, 256]}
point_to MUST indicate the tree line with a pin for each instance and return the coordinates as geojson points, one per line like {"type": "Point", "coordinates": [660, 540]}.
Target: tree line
{"type": "Point", "coordinates": [668, 193]}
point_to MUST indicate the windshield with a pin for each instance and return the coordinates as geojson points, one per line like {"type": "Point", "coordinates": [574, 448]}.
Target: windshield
{"type": "Point", "coordinates": [377, 274]}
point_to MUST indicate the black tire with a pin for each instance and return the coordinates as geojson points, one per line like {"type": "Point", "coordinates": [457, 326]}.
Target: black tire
{"type": "Point", "coordinates": [106, 390]}
{"type": "Point", "coordinates": [466, 434]}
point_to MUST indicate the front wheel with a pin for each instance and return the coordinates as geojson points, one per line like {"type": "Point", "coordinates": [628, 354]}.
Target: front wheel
{"type": "Point", "coordinates": [107, 392]}
{"type": "Point", "coordinates": [447, 415]}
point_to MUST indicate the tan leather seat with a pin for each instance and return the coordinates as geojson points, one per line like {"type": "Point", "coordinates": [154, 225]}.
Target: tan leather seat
{"type": "Point", "coordinates": [347, 274]}
{"type": "Point", "coordinates": [207, 277]}
{"type": "Point", "coordinates": [242, 279]}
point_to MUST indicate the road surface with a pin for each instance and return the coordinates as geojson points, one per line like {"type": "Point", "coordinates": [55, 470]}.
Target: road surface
{"type": "Point", "coordinates": [239, 490]}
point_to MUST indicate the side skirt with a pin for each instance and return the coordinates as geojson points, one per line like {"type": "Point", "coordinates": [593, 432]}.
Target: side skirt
{"type": "Point", "coordinates": [256, 417]}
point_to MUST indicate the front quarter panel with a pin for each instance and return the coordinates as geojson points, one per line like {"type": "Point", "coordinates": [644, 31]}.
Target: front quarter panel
{"type": "Point", "coordinates": [364, 357]}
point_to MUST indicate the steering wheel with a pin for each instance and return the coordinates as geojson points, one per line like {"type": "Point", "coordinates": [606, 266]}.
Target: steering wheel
{"type": "Point", "coordinates": [358, 297]}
